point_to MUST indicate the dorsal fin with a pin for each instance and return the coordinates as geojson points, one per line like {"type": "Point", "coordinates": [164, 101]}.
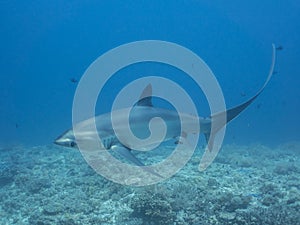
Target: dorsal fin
{"type": "Point", "coordinates": [146, 97]}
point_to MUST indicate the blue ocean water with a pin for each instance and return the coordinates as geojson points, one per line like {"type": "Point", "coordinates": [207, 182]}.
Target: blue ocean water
{"type": "Point", "coordinates": [46, 44]}
{"type": "Point", "coordinates": [43, 45]}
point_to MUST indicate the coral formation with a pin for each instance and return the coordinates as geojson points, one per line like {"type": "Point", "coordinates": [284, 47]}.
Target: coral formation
{"type": "Point", "coordinates": [58, 187]}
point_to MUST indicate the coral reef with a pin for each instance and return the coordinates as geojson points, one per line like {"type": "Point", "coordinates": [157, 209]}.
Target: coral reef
{"type": "Point", "coordinates": [245, 185]}
{"type": "Point", "coordinates": [152, 208]}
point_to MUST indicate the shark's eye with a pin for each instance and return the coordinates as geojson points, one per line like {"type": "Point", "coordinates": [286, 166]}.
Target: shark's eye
{"type": "Point", "coordinates": [72, 144]}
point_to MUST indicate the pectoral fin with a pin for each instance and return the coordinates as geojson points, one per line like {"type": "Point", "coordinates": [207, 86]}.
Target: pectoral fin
{"type": "Point", "coordinates": [126, 153]}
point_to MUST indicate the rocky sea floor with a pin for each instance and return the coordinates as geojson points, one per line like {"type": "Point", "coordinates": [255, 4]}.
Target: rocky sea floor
{"type": "Point", "coordinates": [244, 185]}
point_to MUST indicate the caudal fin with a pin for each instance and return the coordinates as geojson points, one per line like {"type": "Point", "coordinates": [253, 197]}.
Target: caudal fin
{"type": "Point", "coordinates": [234, 112]}
{"type": "Point", "coordinates": [219, 120]}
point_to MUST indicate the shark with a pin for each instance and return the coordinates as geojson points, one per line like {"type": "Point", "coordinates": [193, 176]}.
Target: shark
{"type": "Point", "coordinates": [140, 116]}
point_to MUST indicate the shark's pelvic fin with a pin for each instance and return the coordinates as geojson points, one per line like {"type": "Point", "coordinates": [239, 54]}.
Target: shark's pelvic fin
{"type": "Point", "coordinates": [146, 97]}
{"type": "Point", "coordinates": [181, 139]}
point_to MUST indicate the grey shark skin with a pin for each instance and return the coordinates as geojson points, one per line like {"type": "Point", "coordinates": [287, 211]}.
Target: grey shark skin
{"type": "Point", "coordinates": [139, 119]}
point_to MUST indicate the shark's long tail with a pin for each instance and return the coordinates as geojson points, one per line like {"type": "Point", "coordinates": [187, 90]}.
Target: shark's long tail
{"type": "Point", "coordinates": [234, 112]}
{"type": "Point", "coordinates": [218, 121]}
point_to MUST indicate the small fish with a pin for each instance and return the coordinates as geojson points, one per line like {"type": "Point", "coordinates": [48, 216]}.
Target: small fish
{"type": "Point", "coordinates": [279, 48]}
{"type": "Point", "coordinates": [73, 80]}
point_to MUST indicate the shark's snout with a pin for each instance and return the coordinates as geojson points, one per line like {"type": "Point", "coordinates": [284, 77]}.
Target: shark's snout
{"type": "Point", "coordinates": [57, 141]}
{"type": "Point", "coordinates": [66, 140]}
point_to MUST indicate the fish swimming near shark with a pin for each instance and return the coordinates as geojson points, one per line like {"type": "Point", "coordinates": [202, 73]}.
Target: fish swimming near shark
{"type": "Point", "coordinates": [140, 116]}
